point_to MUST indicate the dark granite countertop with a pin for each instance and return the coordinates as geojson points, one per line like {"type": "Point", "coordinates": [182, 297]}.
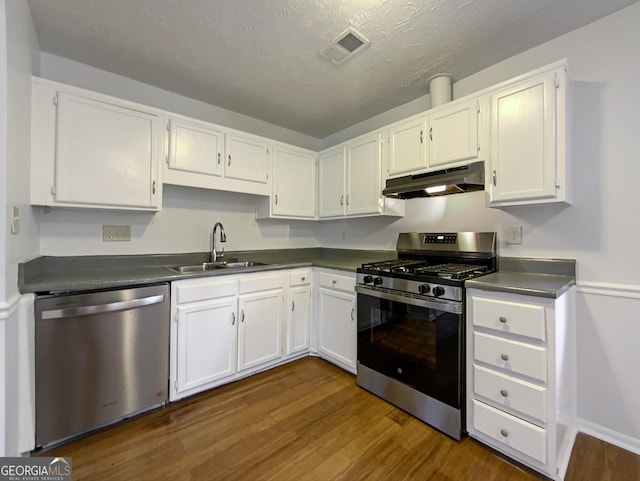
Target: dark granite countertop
{"type": "Point", "coordinates": [548, 278]}
{"type": "Point", "coordinates": [81, 273]}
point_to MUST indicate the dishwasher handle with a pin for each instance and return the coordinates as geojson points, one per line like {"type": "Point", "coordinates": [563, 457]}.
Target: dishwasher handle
{"type": "Point", "coordinates": [100, 308]}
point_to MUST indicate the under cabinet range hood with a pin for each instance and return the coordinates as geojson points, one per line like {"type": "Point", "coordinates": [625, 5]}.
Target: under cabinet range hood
{"type": "Point", "coordinates": [442, 182]}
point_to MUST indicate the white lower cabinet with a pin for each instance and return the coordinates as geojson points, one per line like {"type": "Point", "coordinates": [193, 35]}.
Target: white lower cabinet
{"type": "Point", "coordinates": [203, 334]}
{"type": "Point", "coordinates": [231, 326]}
{"type": "Point", "coordinates": [224, 328]}
{"type": "Point", "coordinates": [299, 311]}
{"type": "Point", "coordinates": [260, 307]}
{"type": "Point", "coordinates": [521, 394]}
{"type": "Point", "coordinates": [337, 318]}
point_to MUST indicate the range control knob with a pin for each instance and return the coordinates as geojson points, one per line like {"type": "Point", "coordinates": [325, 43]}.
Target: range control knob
{"type": "Point", "coordinates": [367, 279]}
{"type": "Point", "coordinates": [377, 281]}
{"type": "Point", "coordinates": [424, 289]}
{"type": "Point", "coordinates": [438, 291]}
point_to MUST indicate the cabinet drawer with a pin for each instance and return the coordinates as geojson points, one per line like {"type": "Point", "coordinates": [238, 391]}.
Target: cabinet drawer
{"type": "Point", "coordinates": [520, 318]}
{"type": "Point", "coordinates": [263, 282]}
{"type": "Point", "coordinates": [501, 390]}
{"type": "Point", "coordinates": [334, 281]}
{"type": "Point", "coordinates": [510, 431]}
{"type": "Point", "coordinates": [300, 277]}
{"type": "Point", "coordinates": [512, 356]}
{"type": "Point", "coordinates": [192, 290]}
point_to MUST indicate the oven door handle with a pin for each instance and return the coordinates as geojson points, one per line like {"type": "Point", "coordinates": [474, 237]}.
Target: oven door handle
{"type": "Point", "coordinates": [440, 305]}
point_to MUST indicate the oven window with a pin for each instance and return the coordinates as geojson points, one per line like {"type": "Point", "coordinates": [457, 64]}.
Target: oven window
{"type": "Point", "coordinates": [415, 345]}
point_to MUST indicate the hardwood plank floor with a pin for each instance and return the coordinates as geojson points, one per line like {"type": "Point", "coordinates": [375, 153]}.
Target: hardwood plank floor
{"type": "Point", "coordinates": [305, 421]}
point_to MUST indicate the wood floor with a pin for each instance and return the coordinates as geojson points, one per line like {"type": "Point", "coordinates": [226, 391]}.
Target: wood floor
{"type": "Point", "coordinates": [305, 421]}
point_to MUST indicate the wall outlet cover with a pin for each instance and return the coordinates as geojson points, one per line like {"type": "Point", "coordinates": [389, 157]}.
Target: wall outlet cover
{"type": "Point", "coordinates": [116, 233]}
{"type": "Point", "coordinates": [514, 235]}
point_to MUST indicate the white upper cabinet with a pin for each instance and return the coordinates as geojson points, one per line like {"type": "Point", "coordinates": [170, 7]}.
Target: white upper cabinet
{"type": "Point", "coordinates": [294, 185]}
{"type": "Point", "coordinates": [350, 180]}
{"type": "Point", "coordinates": [407, 147]}
{"type": "Point", "coordinates": [364, 167]}
{"type": "Point", "coordinates": [453, 134]}
{"type": "Point", "coordinates": [247, 158]}
{"type": "Point", "coordinates": [93, 151]}
{"type": "Point", "coordinates": [195, 147]}
{"type": "Point", "coordinates": [529, 140]}
{"type": "Point", "coordinates": [331, 182]}
{"type": "Point", "coordinates": [205, 155]}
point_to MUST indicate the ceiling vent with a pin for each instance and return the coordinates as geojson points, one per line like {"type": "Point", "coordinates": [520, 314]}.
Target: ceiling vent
{"type": "Point", "coordinates": [345, 46]}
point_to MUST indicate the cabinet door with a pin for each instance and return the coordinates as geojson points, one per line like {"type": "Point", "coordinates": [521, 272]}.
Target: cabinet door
{"type": "Point", "coordinates": [106, 154]}
{"type": "Point", "coordinates": [246, 158]}
{"type": "Point", "coordinates": [407, 149]}
{"type": "Point", "coordinates": [332, 183]}
{"type": "Point", "coordinates": [206, 342]}
{"type": "Point", "coordinates": [195, 147]}
{"type": "Point", "coordinates": [523, 147]}
{"type": "Point", "coordinates": [364, 175]}
{"type": "Point", "coordinates": [260, 331]}
{"type": "Point", "coordinates": [299, 324]}
{"type": "Point", "coordinates": [453, 134]}
{"type": "Point", "coordinates": [294, 183]}
{"type": "Point", "coordinates": [337, 327]}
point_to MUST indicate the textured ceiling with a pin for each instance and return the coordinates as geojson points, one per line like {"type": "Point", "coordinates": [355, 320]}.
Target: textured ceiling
{"type": "Point", "coordinates": [260, 57]}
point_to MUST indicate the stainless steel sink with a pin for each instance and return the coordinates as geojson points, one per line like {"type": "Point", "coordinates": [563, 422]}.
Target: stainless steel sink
{"type": "Point", "coordinates": [205, 266]}
{"type": "Point", "coordinates": [210, 266]}
{"type": "Point", "coordinates": [245, 264]}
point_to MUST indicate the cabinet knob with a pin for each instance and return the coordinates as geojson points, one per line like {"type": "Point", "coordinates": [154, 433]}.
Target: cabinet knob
{"type": "Point", "coordinates": [334, 282]}
{"type": "Point", "coordinates": [503, 320]}
{"type": "Point", "coordinates": [504, 392]}
{"type": "Point", "coordinates": [504, 357]}
{"type": "Point", "coordinates": [504, 433]}
{"type": "Point", "coordinates": [303, 278]}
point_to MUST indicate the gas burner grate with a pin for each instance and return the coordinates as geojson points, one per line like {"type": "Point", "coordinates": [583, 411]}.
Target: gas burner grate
{"type": "Point", "coordinates": [451, 270]}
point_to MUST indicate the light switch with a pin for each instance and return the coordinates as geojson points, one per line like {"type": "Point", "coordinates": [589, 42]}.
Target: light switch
{"type": "Point", "coordinates": [14, 219]}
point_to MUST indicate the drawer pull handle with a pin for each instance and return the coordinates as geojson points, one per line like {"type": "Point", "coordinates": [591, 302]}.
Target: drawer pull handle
{"type": "Point", "coordinates": [503, 320]}
{"type": "Point", "coordinates": [504, 357]}
{"type": "Point", "coordinates": [504, 433]}
{"type": "Point", "coordinates": [504, 392]}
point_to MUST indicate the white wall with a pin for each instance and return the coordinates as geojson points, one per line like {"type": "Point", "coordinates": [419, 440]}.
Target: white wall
{"type": "Point", "coordinates": [184, 225]}
{"type": "Point", "coordinates": [600, 229]}
{"type": "Point", "coordinates": [16, 339]}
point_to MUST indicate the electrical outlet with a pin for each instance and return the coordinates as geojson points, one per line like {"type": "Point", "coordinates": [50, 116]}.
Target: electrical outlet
{"type": "Point", "coordinates": [514, 235]}
{"type": "Point", "coordinates": [116, 233]}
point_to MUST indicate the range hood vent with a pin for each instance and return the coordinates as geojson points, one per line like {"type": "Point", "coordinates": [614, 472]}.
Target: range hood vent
{"type": "Point", "coordinates": [442, 182]}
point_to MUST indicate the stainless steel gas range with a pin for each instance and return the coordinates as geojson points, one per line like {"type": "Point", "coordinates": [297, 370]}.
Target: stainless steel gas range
{"type": "Point", "coordinates": [411, 318]}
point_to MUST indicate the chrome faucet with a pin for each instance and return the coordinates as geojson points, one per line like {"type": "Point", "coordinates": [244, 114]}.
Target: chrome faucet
{"type": "Point", "coordinates": [223, 238]}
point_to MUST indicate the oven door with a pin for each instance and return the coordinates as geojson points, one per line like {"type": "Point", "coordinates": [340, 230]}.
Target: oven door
{"type": "Point", "coordinates": [415, 341]}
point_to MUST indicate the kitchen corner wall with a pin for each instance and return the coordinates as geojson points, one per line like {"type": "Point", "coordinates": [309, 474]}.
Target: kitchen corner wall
{"type": "Point", "coordinates": [600, 229]}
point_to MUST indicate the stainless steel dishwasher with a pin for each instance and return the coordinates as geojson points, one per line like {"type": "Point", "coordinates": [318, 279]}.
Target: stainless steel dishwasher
{"type": "Point", "coordinates": [100, 357]}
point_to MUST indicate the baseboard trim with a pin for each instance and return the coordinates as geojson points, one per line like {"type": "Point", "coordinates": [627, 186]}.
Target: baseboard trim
{"type": "Point", "coordinates": [624, 441]}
